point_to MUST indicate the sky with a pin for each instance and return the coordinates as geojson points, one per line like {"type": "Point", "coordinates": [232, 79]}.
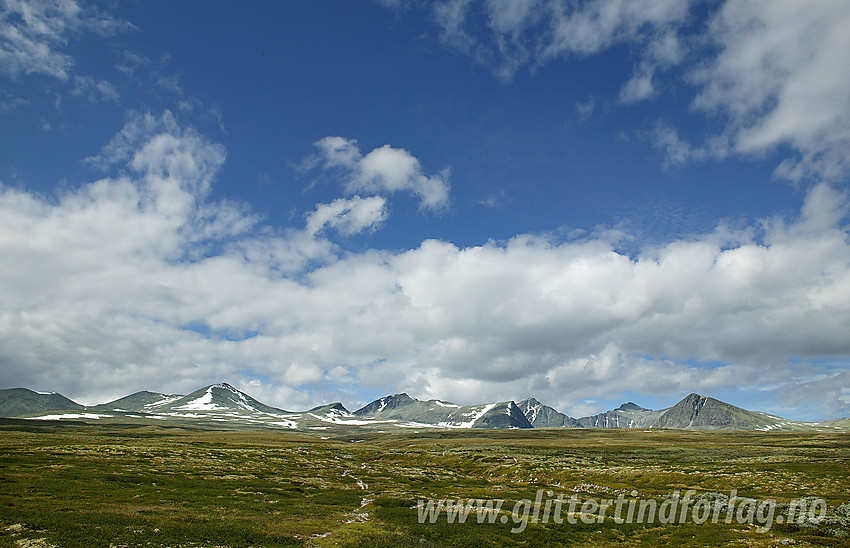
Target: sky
{"type": "Point", "coordinates": [582, 202]}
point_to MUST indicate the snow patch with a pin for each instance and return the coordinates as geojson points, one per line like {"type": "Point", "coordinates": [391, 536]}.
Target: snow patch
{"type": "Point", "coordinates": [336, 414]}
{"type": "Point", "coordinates": [534, 412]}
{"type": "Point", "coordinates": [204, 403]}
{"type": "Point", "coordinates": [340, 420]}
{"type": "Point", "coordinates": [164, 401]}
{"type": "Point", "coordinates": [474, 414]}
{"type": "Point", "coordinates": [292, 425]}
{"type": "Point", "coordinates": [418, 425]}
{"type": "Point", "coordinates": [70, 416]}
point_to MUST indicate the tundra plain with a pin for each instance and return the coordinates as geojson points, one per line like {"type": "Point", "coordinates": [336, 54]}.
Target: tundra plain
{"type": "Point", "coordinates": [73, 484]}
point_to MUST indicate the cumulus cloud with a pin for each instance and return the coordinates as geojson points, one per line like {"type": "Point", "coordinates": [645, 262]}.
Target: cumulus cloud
{"type": "Point", "coordinates": [141, 281]}
{"type": "Point", "coordinates": [157, 146]}
{"type": "Point", "coordinates": [385, 170]}
{"type": "Point", "coordinates": [33, 35]}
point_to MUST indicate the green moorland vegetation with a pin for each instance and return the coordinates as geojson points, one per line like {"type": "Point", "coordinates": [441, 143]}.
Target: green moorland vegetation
{"type": "Point", "coordinates": [122, 485]}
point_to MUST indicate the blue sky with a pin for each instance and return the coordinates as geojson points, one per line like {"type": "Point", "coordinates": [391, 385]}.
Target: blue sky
{"type": "Point", "coordinates": [583, 202]}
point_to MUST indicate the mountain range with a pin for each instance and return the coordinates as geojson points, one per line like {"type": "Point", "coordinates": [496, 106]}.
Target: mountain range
{"type": "Point", "coordinates": [222, 405]}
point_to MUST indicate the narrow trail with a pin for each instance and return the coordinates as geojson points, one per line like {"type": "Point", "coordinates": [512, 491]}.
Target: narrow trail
{"type": "Point", "coordinates": [359, 514]}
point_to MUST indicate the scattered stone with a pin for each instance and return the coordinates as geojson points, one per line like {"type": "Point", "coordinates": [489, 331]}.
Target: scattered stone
{"type": "Point", "coordinates": [34, 543]}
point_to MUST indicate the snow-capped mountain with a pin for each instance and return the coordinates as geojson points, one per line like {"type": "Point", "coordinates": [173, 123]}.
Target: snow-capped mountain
{"type": "Point", "coordinates": [401, 407]}
{"type": "Point", "coordinates": [221, 403]}
{"type": "Point", "coordinates": [217, 403]}
{"type": "Point", "coordinates": [217, 398]}
{"type": "Point", "coordinates": [223, 406]}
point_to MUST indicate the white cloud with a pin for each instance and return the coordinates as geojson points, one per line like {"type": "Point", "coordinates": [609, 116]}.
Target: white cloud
{"type": "Point", "coordinates": [170, 83]}
{"type": "Point", "coordinates": [33, 34]}
{"type": "Point", "coordinates": [639, 87]}
{"type": "Point", "coordinates": [385, 169]}
{"type": "Point", "coordinates": [348, 215]}
{"type": "Point", "coordinates": [774, 73]}
{"type": "Point", "coordinates": [533, 32]}
{"type": "Point", "coordinates": [597, 25]}
{"type": "Point", "coordinates": [339, 151]}
{"type": "Point", "coordinates": [102, 91]}
{"type": "Point", "coordinates": [142, 282]}
{"type": "Point", "coordinates": [158, 147]}
{"type": "Point", "coordinates": [291, 399]}
{"type": "Point", "coordinates": [665, 138]}
{"type": "Point", "coordinates": [832, 391]}
{"type": "Point", "coordinates": [510, 15]}
{"type": "Point", "coordinates": [663, 50]}
{"type": "Point", "coordinates": [137, 129]}
{"type": "Point", "coordinates": [782, 78]}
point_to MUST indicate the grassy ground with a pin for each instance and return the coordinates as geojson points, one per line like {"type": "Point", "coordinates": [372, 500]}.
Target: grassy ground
{"type": "Point", "coordinates": [116, 485]}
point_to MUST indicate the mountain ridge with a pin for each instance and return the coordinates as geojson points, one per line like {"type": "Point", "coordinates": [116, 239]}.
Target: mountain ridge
{"type": "Point", "coordinates": [222, 403]}
{"type": "Point", "coordinates": [446, 414]}
{"type": "Point", "coordinates": [21, 401]}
